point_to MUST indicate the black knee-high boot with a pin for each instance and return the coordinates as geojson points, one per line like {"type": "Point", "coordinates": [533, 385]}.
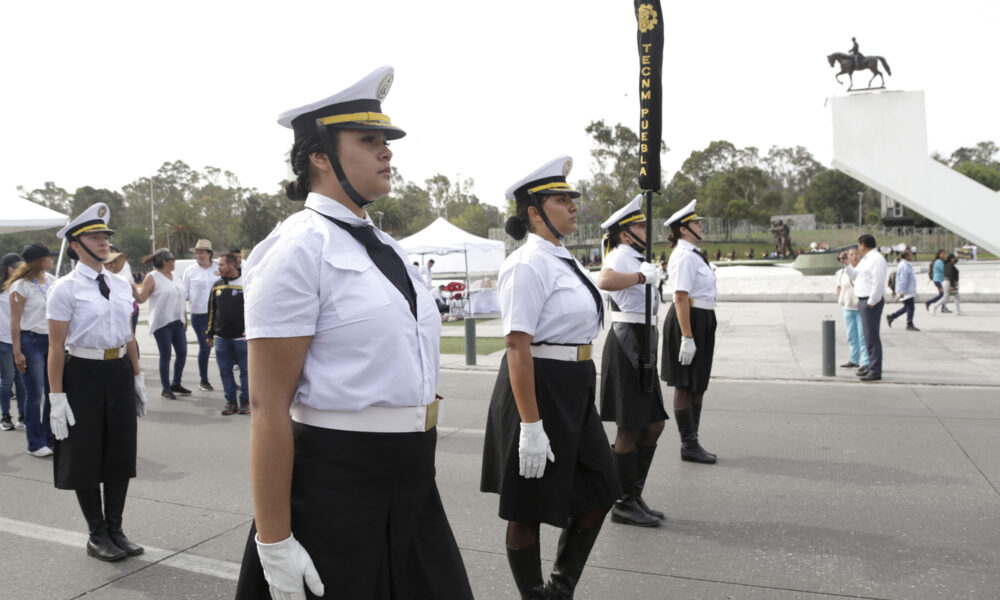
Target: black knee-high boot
{"type": "Point", "coordinates": [114, 506]}
{"type": "Point", "coordinates": [99, 544]}
{"type": "Point", "coordinates": [696, 411]}
{"type": "Point", "coordinates": [526, 566]}
{"type": "Point", "coordinates": [626, 509]}
{"type": "Point", "coordinates": [643, 462]}
{"type": "Point", "coordinates": [574, 547]}
{"type": "Point", "coordinates": [691, 451]}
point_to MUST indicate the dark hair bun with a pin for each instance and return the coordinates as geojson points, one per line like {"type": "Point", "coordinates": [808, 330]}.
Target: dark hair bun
{"type": "Point", "coordinates": [294, 191]}
{"type": "Point", "coordinates": [515, 228]}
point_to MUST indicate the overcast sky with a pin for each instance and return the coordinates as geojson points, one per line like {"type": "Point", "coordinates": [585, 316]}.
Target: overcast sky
{"type": "Point", "coordinates": [101, 93]}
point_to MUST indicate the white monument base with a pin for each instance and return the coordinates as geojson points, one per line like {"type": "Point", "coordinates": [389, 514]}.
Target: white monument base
{"type": "Point", "coordinates": [880, 139]}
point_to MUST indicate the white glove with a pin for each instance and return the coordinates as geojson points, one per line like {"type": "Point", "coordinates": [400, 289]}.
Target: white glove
{"type": "Point", "coordinates": [60, 415]}
{"type": "Point", "coordinates": [140, 395]}
{"type": "Point", "coordinates": [285, 564]}
{"type": "Point", "coordinates": [686, 355]}
{"type": "Point", "coordinates": [533, 448]}
{"type": "Point", "coordinates": [651, 272]}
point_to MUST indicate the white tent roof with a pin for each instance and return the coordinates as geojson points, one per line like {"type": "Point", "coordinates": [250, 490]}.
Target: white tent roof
{"type": "Point", "coordinates": [454, 246]}
{"type": "Point", "coordinates": [23, 215]}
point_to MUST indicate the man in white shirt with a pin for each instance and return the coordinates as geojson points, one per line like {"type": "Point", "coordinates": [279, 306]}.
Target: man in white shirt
{"type": "Point", "coordinates": [425, 272]}
{"type": "Point", "coordinates": [870, 279]}
{"type": "Point", "coordinates": [198, 280]}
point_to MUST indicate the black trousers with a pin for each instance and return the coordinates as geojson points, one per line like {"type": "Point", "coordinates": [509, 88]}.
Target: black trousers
{"type": "Point", "coordinates": [871, 322]}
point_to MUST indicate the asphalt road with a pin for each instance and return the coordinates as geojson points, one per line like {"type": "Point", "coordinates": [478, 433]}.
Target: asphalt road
{"type": "Point", "coordinates": [825, 487]}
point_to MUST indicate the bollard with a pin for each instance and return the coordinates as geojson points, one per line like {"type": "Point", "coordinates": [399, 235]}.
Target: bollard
{"type": "Point", "coordinates": [470, 340]}
{"type": "Point", "coordinates": [829, 355]}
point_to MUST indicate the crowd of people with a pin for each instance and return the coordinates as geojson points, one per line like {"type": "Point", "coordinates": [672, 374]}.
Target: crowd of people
{"type": "Point", "coordinates": [328, 296]}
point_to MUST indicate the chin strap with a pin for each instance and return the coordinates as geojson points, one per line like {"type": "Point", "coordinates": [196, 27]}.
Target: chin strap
{"type": "Point", "coordinates": [327, 142]}
{"type": "Point", "coordinates": [534, 202]}
{"type": "Point", "coordinates": [696, 236]}
{"type": "Point", "coordinates": [86, 249]}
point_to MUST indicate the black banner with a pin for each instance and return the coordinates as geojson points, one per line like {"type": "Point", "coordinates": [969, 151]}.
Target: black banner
{"type": "Point", "coordinates": [649, 18]}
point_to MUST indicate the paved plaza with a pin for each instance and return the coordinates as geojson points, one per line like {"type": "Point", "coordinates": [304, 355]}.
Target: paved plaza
{"type": "Point", "coordinates": [825, 487]}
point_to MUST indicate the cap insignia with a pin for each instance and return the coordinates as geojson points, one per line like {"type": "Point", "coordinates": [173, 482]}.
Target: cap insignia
{"type": "Point", "coordinates": [567, 167]}
{"type": "Point", "coordinates": [102, 211]}
{"type": "Point", "coordinates": [383, 88]}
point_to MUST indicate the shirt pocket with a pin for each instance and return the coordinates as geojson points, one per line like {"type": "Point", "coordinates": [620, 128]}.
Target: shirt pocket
{"type": "Point", "coordinates": [572, 295]}
{"type": "Point", "coordinates": [355, 285]}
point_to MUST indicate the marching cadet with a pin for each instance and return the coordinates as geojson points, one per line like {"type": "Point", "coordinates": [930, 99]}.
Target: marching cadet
{"type": "Point", "coordinates": [345, 335]}
{"type": "Point", "coordinates": [638, 414]}
{"type": "Point", "coordinates": [545, 450]}
{"type": "Point", "coordinates": [689, 329]}
{"type": "Point", "coordinates": [96, 386]}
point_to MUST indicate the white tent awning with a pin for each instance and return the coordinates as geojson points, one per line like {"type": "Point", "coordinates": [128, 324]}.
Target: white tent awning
{"type": "Point", "coordinates": [452, 247]}
{"type": "Point", "coordinates": [23, 215]}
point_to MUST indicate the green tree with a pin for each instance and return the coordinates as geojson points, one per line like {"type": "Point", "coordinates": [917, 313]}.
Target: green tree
{"type": "Point", "coordinates": [86, 196]}
{"type": "Point", "coordinates": [474, 220]}
{"type": "Point", "coordinates": [701, 165]}
{"type": "Point", "coordinates": [988, 176]}
{"type": "Point", "coordinates": [49, 195]}
{"type": "Point", "coordinates": [833, 197]}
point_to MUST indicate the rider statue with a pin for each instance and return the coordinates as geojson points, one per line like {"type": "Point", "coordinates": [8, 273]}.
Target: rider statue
{"type": "Point", "coordinates": [858, 57]}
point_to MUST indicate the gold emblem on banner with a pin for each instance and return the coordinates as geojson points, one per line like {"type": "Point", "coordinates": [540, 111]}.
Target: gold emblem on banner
{"type": "Point", "coordinates": [647, 18]}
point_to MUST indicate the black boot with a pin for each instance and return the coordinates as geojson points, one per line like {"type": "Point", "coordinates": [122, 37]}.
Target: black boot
{"type": "Point", "coordinates": [99, 544]}
{"type": "Point", "coordinates": [643, 462]}
{"type": "Point", "coordinates": [526, 566]}
{"type": "Point", "coordinates": [691, 451]}
{"type": "Point", "coordinates": [114, 505]}
{"type": "Point", "coordinates": [575, 545]}
{"type": "Point", "coordinates": [696, 411]}
{"type": "Point", "coordinates": [626, 509]}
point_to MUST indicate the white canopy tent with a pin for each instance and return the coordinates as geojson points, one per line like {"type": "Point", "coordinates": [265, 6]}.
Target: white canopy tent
{"type": "Point", "coordinates": [24, 215]}
{"type": "Point", "coordinates": [454, 250]}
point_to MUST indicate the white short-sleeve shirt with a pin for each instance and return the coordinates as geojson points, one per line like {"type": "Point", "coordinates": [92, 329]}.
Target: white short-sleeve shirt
{"type": "Point", "coordinates": [34, 296]}
{"type": "Point", "coordinates": [94, 321]}
{"type": "Point", "coordinates": [312, 278]}
{"type": "Point", "coordinates": [197, 286]}
{"type": "Point", "coordinates": [689, 272]}
{"type": "Point", "coordinates": [625, 259]}
{"type": "Point", "coordinates": [166, 303]}
{"type": "Point", "coordinates": [540, 296]}
{"type": "Point", "coordinates": [5, 318]}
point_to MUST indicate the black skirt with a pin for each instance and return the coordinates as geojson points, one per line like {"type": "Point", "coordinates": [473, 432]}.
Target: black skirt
{"type": "Point", "coordinates": [582, 478]}
{"type": "Point", "coordinates": [695, 376]}
{"type": "Point", "coordinates": [366, 507]}
{"type": "Point", "coordinates": [622, 398]}
{"type": "Point", "coordinates": [101, 445]}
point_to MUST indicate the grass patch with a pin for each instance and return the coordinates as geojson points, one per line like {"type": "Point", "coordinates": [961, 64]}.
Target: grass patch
{"type": "Point", "coordinates": [484, 345]}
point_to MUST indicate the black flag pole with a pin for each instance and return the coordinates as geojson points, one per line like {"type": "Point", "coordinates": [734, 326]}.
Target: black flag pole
{"type": "Point", "coordinates": [649, 19]}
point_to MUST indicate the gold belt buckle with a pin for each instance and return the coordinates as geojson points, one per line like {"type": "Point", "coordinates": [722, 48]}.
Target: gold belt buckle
{"type": "Point", "coordinates": [583, 352]}
{"type": "Point", "coordinates": [431, 417]}
{"type": "Point", "coordinates": [111, 353]}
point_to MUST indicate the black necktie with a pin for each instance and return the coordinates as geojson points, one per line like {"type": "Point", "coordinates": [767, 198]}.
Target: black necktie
{"type": "Point", "coordinates": [385, 258]}
{"type": "Point", "coordinates": [703, 255]}
{"type": "Point", "coordinates": [589, 284]}
{"type": "Point", "coordinates": [103, 286]}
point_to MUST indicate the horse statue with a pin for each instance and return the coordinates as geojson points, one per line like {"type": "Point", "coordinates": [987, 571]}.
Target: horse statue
{"type": "Point", "coordinates": [848, 67]}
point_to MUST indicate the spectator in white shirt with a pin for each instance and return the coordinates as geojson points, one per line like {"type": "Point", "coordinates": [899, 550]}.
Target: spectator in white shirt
{"type": "Point", "coordinates": [870, 279]}
{"type": "Point", "coordinates": [198, 280]}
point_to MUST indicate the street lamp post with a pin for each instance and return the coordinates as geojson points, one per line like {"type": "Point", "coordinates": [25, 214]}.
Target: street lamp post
{"type": "Point", "coordinates": [861, 195]}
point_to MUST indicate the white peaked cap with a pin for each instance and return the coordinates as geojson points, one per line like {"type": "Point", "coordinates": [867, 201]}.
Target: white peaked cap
{"type": "Point", "coordinates": [684, 215]}
{"type": "Point", "coordinates": [358, 106]}
{"type": "Point", "coordinates": [93, 220]}
{"type": "Point", "coordinates": [550, 178]}
{"type": "Point", "coordinates": [630, 213]}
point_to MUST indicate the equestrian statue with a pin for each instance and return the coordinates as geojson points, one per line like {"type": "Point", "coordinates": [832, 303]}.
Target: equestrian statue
{"type": "Point", "coordinates": [855, 61]}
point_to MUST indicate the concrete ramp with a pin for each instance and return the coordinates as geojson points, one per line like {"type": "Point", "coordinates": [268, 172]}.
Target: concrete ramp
{"type": "Point", "coordinates": [880, 139]}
